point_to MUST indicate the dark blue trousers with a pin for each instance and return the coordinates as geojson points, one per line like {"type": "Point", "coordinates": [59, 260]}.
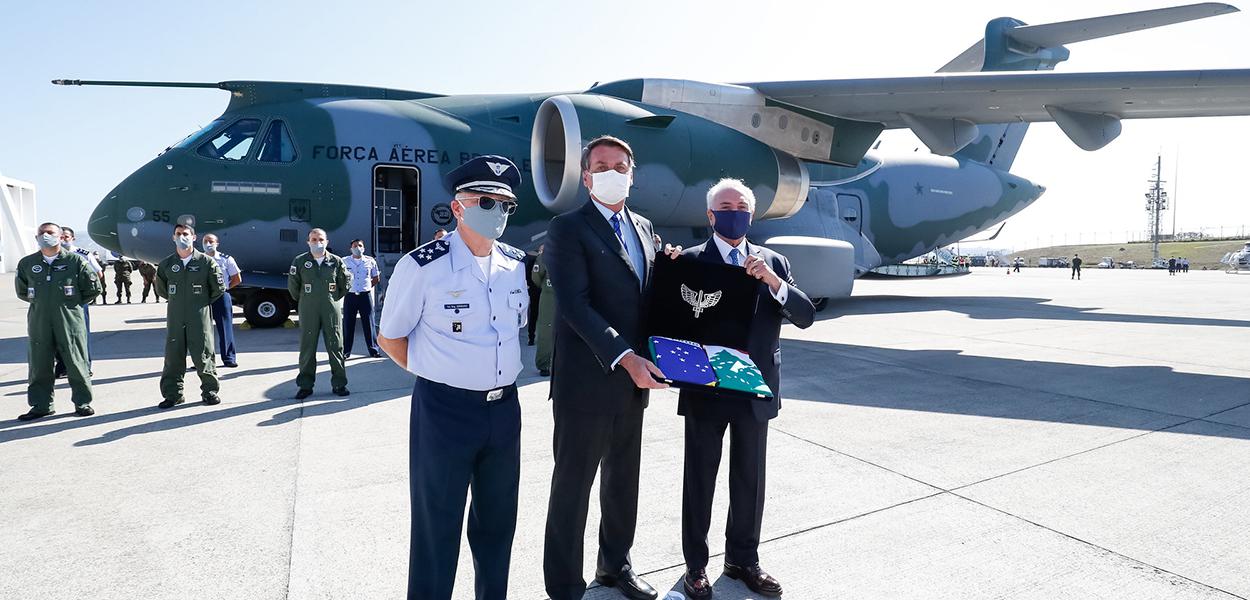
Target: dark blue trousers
{"type": "Point", "coordinates": [223, 320]}
{"type": "Point", "coordinates": [358, 304]}
{"type": "Point", "coordinates": [460, 440]}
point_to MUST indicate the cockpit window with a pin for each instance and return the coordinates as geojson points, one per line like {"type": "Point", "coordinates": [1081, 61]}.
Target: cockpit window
{"type": "Point", "coordinates": [233, 143]}
{"type": "Point", "coordinates": [192, 139]}
{"type": "Point", "coordinates": [277, 146]}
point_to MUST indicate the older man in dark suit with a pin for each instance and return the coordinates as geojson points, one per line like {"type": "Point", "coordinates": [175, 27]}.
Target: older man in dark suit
{"type": "Point", "coordinates": [730, 206]}
{"type": "Point", "coordinates": [599, 258]}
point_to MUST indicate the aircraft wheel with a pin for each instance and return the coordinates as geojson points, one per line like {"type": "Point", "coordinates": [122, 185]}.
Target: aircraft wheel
{"type": "Point", "coordinates": [267, 308]}
{"type": "Point", "coordinates": [820, 303]}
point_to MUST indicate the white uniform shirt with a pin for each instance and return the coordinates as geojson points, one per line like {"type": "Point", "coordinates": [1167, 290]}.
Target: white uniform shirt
{"type": "Point", "coordinates": [363, 270]}
{"type": "Point", "coordinates": [226, 263]}
{"type": "Point", "coordinates": [462, 326]}
{"type": "Point", "coordinates": [95, 264]}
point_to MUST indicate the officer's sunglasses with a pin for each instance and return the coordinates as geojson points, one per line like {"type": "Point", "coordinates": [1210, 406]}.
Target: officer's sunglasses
{"type": "Point", "coordinates": [488, 203]}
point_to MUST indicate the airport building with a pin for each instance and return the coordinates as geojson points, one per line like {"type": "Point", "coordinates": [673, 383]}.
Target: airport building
{"type": "Point", "coordinates": [17, 221]}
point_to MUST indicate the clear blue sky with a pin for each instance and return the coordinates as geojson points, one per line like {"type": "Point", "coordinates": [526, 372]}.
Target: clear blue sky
{"type": "Point", "coordinates": [76, 143]}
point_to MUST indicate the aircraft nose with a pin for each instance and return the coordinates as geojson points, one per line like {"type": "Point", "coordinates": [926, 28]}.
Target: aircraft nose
{"type": "Point", "coordinates": [102, 227]}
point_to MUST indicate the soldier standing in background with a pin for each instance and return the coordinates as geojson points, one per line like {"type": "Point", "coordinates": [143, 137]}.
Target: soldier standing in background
{"type": "Point", "coordinates": [546, 312]}
{"type": "Point", "coordinates": [121, 277]}
{"type": "Point", "coordinates": [147, 271]}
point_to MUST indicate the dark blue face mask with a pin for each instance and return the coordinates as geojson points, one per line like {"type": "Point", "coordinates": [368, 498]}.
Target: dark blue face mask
{"type": "Point", "coordinates": [732, 224]}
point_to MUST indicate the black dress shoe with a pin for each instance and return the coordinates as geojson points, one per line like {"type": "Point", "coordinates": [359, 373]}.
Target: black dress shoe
{"type": "Point", "coordinates": [755, 579]}
{"type": "Point", "coordinates": [230, 364]}
{"type": "Point", "coordinates": [341, 391]}
{"type": "Point", "coordinates": [35, 414]}
{"type": "Point", "coordinates": [171, 402]}
{"type": "Point", "coordinates": [84, 410]}
{"type": "Point", "coordinates": [629, 583]}
{"type": "Point", "coordinates": [544, 372]}
{"type": "Point", "coordinates": [211, 398]}
{"type": "Point", "coordinates": [697, 585]}
{"type": "Point", "coordinates": [303, 393]}
{"type": "Point", "coordinates": [375, 355]}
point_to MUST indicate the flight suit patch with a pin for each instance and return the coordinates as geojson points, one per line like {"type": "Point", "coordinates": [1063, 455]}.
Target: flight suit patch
{"type": "Point", "coordinates": [308, 264]}
{"type": "Point", "coordinates": [457, 327]}
{"type": "Point", "coordinates": [36, 269]}
{"type": "Point", "coordinates": [193, 268]}
{"type": "Point", "coordinates": [307, 288]}
{"type": "Point", "coordinates": [197, 288]}
{"type": "Point", "coordinates": [59, 268]}
{"type": "Point", "coordinates": [332, 287]}
{"type": "Point", "coordinates": [30, 292]}
{"type": "Point", "coordinates": [176, 268]}
{"type": "Point", "coordinates": [69, 290]}
{"type": "Point", "coordinates": [173, 289]}
{"type": "Point", "coordinates": [294, 270]}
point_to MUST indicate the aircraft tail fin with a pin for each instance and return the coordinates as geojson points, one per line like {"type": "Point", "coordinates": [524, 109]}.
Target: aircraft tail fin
{"type": "Point", "coordinates": [1011, 45]}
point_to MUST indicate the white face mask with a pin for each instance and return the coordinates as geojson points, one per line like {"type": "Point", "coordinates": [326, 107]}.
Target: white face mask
{"type": "Point", "coordinates": [358, 251]}
{"type": "Point", "coordinates": [49, 240]}
{"type": "Point", "coordinates": [184, 242]}
{"type": "Point", "coordinates": [67, 244]}
{"type": "Point", "coordinates": [210, 248]}
{"type": "Point", "coordinates": [609, 187]}
{"type": "Point", "coordinates": [318, 248]}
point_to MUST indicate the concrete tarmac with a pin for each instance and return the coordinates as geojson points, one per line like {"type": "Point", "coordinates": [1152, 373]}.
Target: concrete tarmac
{"type": "Point", "coordinates": [982, 436]}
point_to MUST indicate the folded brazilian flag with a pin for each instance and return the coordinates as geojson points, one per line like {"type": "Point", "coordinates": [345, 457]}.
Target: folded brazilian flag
{"type": "Point", "coordinates": [688, 364]}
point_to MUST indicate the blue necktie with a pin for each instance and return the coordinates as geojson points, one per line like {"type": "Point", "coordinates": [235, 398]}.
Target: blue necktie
{"type": "Point", "coordinates": [616, 226]}
{"type": "Point", "coordinates": [733, 256]}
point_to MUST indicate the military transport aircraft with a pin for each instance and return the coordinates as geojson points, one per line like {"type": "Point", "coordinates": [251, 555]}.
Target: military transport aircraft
{"type": "Point", "coordinates": [367, 162]}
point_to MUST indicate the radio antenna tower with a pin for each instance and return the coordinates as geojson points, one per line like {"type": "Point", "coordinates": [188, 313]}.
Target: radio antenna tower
{"type": "Point", "coordinates": [1156, 203]}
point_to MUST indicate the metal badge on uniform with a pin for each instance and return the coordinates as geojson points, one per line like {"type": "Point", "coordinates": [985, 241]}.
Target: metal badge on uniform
{"type": "Point", "coordinates": [193, 268]}
{"type": "Point", "coordinates": [59, 268]}
{"type": "Point", "coordinates": [197, 288]}
{"type": "Point", "coordinates": [69, 289]}
{"type": "Point", "coordinates": [457, 327]}
{"type": "Point", "coordinates": [173, 289]}
{"type": "Point", "coordinates": [307, 288]}
{"type": "Point", "coordinates": [176, 268]}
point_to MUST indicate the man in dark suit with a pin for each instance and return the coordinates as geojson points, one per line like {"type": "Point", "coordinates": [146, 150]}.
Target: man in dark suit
{"type": "Point", "coordinates": [599, 258]}
{"type": "Point", "coordinates": [730, 206]}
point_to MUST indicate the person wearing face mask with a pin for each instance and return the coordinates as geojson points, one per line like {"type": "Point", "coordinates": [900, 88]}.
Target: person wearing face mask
{"type": "Point", "coordinates": [57, 284]}
{"type": "Point", "coordinates": [67, 242]}
{"type": "Point", "coordinates": [454, 311]}
{"type": "Point", "coordinates": [223, 307]}
{"type": "Point", "coordinates": [730, 206]}
{"type": "Point", "coordinates": [599, 258]}
{"type": "Point", "coordinates": [190, 282]}
{"type": "Point", "coordinates": [318, 281]}
{"type": "Point", "coordinates": [359, 301]}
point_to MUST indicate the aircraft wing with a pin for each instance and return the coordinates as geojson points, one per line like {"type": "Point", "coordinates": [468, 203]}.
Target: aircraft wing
{"type": "Point", "coordinates": [943, 110]}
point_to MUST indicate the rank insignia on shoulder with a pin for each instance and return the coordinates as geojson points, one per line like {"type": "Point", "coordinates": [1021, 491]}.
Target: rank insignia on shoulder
{"type": "Point", "coordinates": [429, 252]}
{"type": "Point", "coordinates": [510, 252]}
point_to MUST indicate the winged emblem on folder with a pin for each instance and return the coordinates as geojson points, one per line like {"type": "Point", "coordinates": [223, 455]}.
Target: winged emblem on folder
{"type": "Point", "coordinates": [699, 300]}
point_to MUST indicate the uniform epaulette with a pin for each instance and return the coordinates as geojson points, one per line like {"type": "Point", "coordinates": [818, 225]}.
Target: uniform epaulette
{"type": "Point", "coordinates": [511, 252]}
{"type": "Point", "coordinates": [430, 251]}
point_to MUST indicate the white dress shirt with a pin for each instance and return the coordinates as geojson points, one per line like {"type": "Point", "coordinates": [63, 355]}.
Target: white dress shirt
{"type": "Point", "coordinates": [363, 270]}
{"type": "Point", "coordinates": [744, 249]}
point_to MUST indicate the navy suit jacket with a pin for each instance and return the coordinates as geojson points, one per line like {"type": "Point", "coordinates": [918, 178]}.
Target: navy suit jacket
{"type": "Point", "coordinates": [764, 345]}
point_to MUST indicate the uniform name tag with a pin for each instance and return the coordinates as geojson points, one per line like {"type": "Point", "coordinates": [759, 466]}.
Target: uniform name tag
{"type": "Point", "coordinates": [173, 289]}
{"type": "Point", "coordinates": [69, 289]}
{"type": "Point", "coordinates": [307, 288]}
{"type": "Point", "coordinates": [455, 307]}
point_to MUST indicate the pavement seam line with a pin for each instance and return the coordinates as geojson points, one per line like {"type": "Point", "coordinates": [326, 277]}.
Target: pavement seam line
{"type": "Point", "coordinates": [1102, 548]}
{"type": "Point", "coordinates": [856, 458]}
{"type": "Point", "coordinates": [1017, 387]}
{"type": "Point", "coordinates": [299, 452]}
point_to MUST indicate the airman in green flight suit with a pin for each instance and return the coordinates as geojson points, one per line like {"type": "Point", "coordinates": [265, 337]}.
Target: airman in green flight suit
{"type": "Point", "coordinates": [318, 281]}
{"type": "Point", "coordinates": [57, 283]}
{"type": "Point", "coordinates": [546, 312]}
{"type": "Point", "coordinates": [189, 281]}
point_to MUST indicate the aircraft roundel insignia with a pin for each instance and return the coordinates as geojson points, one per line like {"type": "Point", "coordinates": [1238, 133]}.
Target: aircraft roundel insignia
{"type": "Point", "coordinates": [36, 269]}
{"type": "Point", "coordinates": [498, 168]}
{"type": "Point", "coordinates": [308, 264]}
{"type": "Point", "coordinates": [176, 268]}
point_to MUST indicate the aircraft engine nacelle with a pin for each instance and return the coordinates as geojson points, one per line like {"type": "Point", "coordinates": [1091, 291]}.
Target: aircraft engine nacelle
{"type": "Point", "coordinates": [679, 157]}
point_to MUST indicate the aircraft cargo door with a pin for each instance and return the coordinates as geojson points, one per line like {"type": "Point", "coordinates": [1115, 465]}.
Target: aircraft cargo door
{"type": "Point", "coordinates": [396, 213]}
